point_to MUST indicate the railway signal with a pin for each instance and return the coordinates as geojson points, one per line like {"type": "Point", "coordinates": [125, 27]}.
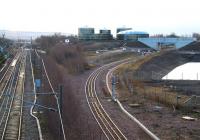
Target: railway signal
{"type": "Point", "coordinates": [113, 88]}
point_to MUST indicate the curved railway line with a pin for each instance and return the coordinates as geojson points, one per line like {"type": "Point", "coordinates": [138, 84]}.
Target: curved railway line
{"type": "Point", "coordinates": [143, 128]}
{"type": "Point", "coordinates": [108, 127]}
{"type": "Point", "coordinates": [12, 99]}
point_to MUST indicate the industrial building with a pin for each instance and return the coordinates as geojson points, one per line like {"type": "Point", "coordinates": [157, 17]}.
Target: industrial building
{"type": "Point", "coordinates": [131, 35]}
{"type": "Point", "coordinates": [85, 33]}
{"type": "Point", "coordinates": [164, 42]}
{"type": "Point", "coordinates": [119, 36]}
{"type": "Point", "coordinates": [105, 31]}
{"type": "Point", "coordinates": [134, 38]}
{"type": "Point", "coordinates": [123, 29]}
{"type": "Point", "coordinates": [103, 34]}
{"type": "Point", "coordinates": [89, 34]}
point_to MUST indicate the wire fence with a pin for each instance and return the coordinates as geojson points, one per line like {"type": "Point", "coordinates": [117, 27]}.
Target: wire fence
{"type": "Point", "coordinates": [194, 101]}
{"type": "Point", "coordinates": [150, 85]}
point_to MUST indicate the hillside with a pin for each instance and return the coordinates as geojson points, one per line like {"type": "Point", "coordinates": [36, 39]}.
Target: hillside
{"type": "Point", "coordinates": [194, 46]}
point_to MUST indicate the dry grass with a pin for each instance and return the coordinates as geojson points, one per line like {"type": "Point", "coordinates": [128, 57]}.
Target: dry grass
{"type": "Point", "coordinates": [158, 94]}
{"type": "Point", "coordinates": [132, 66]}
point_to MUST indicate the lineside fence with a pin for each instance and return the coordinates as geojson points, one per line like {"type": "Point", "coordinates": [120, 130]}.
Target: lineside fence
{"type": "Point", "coordinates": [150, 85]}
{"type": "Point", "coordinates": [194, 101]}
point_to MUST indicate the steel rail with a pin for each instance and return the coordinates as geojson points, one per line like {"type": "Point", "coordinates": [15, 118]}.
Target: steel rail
{"type": "Point", "coordinates": [3, 68]}
{"type": "Point", "coordinates": [11, 76]}
{"type": "Point", "coordinates": [6, 88]}
{"type": "Point", "coordinates": [90, 88]}
{"type": "Point", "coordinates": [98, 107]}
{"type": "Point", "coordinates": [13, 128]}
{"type": "Point", "coordinates": [22, 104]}
{"type": "Point", "coordinates": [11, 69]}
{"type": "Point", "coordinates": [57, 100]}
{"type": "Point", "coordinates": [145, 129]}
{"type": "Point", "coordinates": [8, 68]}
{"type": "Point", "coordinates": [105, 111]}
{"type": "Point", "coordinates": [34, 102]}
{"type": "Point", "coordinates": [91, 108]}
{"type": "Point", "coordinates": [10, 105]}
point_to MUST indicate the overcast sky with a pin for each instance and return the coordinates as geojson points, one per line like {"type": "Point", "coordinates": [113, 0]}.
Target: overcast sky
{"type": "Point", "coordinates": [153, 16]}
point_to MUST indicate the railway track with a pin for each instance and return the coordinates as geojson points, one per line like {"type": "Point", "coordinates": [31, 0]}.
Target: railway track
{"type": "Point", "coordinates": [12, 102]}
{"type": "Point", "coordinates": [12, 118]}
{"type": "Point", "coordinates": [108, 127]}
{"type": "Point", "coordinates": [146, 131]}
{"type": "Point", "coordinates": [6, 65]}
{"type": "Point", "coordinates": [35, 100]}
{"type": "Point", "coordinates": [106, 124]}
{"type": "Point", "coordinates": [6, 82]}
{"type": "Point", "coordinates": [6, 74]}
{"type": "Point", "coordinates": [29, 128]}
{"type": "Point", "coordinates": [55, 95]}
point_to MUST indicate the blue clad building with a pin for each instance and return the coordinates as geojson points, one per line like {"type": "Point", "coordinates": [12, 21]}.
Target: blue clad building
{"type": "Point", "coordinates": [157, 43]}
{"type": "Point", "coordinates": [160, 43]}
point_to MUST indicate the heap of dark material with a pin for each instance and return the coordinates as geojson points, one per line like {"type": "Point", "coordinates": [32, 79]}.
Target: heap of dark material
{"type": "Point", "coordinates": [194, 46]}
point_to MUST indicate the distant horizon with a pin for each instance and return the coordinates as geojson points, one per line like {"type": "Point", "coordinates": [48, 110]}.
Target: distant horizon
{"type": "Point", "coordinates": [27, 35]}
{"type": "Point", "coordinates": [152, 16]}
{"type": "Point", "coordinates": [29, 31]}
{"type": "Point", "coordinates": [97, 31]}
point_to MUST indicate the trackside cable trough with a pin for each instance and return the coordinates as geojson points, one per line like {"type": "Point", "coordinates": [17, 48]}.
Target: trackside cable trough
{"type": "Point", "coordinates": [146, 130]}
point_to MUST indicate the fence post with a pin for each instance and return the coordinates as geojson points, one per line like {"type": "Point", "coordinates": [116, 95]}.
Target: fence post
{"type": "Point", "coordinates": [177, 99]}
